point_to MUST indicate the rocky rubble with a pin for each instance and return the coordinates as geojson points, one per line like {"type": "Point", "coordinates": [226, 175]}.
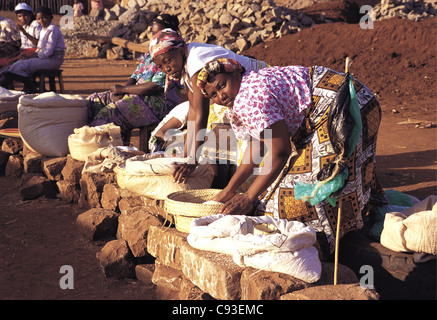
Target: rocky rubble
{"type": "Point", "coordinates": [406, 9]}
{"type": "Point", "coordinates": [235, 25]}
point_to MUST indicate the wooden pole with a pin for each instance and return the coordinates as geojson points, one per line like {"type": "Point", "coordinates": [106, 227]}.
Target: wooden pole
{"type": "Point", "coordinates": [138, 47]}
{"type": "Point", "coordinates": [340, 201]}
{"type": "Point", "coordinates": [337, 238]}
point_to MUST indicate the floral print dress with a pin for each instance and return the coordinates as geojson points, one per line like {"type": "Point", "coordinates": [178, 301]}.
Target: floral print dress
{"type": "Point", "coordinates": [134, 111]}
{"type": "Point", "coordinates": [302, 97]}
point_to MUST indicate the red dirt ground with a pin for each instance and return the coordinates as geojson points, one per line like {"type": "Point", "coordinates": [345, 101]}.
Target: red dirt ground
{"type": "Point", "coordinates": [397, 59]}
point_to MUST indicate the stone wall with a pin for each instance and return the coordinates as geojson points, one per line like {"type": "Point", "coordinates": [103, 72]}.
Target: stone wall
{"type": "Point", "coordinates": [140, 240]}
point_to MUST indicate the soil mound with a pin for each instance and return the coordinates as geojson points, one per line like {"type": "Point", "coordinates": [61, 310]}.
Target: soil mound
{"type": "Point", "coordinates": [396, 59]}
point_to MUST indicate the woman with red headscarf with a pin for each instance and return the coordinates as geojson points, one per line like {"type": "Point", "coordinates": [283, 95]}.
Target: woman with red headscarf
{"type": "Point", "coordinates": [182, 61]}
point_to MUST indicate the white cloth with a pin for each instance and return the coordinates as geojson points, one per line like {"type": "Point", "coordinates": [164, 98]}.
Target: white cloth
{"type": "Point", "coordinates": [34, 29]}
{"type": "Point", "coordinates": [412, 230]}
{"type": "Point", "coordinates": [8, 30]}
{"type": "Point", "coordinates": [179, 112]}
{"type": "Point", "coordinates": [200, 53]}
{"type": "Point", "coordinates": [51, 40]}
{"type": "Point", "coordinates": [288, 250]}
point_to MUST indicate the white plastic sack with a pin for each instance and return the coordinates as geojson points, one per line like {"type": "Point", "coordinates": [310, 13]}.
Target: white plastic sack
{"type": "Point", "coordinates": [154, 178]}
{"type": "Point", "coordinates": [86, 140]}
{"type": "Point", "coordinates": [412, 230]}
{"type": "Point", "coordinates": [46, 120]}
{"type": "Point", "coordinates": [9, 99]}
{"type": "Point", "coordinates": [288, 250]}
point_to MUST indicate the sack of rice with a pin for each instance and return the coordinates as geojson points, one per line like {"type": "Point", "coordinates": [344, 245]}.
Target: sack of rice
{"type": "Point", "coordinates": [154, 178]}
{"type": "Point", "coordinates": [9, 99]}
{"type": "Point", "coordinates": [46, 120]}
{"type": "Point", "coordinates": [86, 140]}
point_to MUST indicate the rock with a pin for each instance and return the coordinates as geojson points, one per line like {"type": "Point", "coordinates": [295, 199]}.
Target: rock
{"type": "Point", "coordinates": [117, 10]}
{"type": "Point", "coordinates": [92, 51]}
{"type": "Point", "coordinates": [242, 44]}
{"type": "Point", "coordinates": [116, 260]}
{"type": "Point", "coordinates": [144, 272]}
{"type": "Point", "coordinates": [129, 200]}
{"type": "Point", "coordinates": [126, 16]}
{"type": "Point", "coordinates": [68, 191]}
{"type": "Point", "coordinates": [12, 146]}
{"type": "Point", "coordinates": [109, 15]}
{"type": "Point", "coordinates": [32, 162]}
{"type": "Point", "coordinates": [225, 19]}
{"type": "Point", "coordinates": [189, 291]}
{"type": "Point", "coordinates": [11, 160]}
{"type": "Point", "coordinates": [115, 53]}
{"type": "Point", "coordinates": [72, 170]}
{"type": "Point", "coordinates": [134, 227]}
{"type": "Point", "coordinates": [53, 167]}
{"type": "Point", "coordinates": [265, 285]}
{"type": "Point", "coordinates": [214, 273]}
{"type": "Point", "coordinates": [98, 224]}
{"type": "Point", "coordinates": [166, 276]}
{"type": "Point", "coordinates": [166, 245]}
{"type": "Point", "coordinates": [35, 185]}
{"type": "Point", "coordinates": [331, 292]}
{"type": "Point", "coordinates": [111, 196]}
{"type": "Point", "coordinates": [91, 188]}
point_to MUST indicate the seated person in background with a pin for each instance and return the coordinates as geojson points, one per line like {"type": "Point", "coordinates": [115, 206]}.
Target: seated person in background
{"type": "Point", "coordinates": [9, 38]}
{"type": "Point", "coordinates": [29, 28]}
{"type": "Point", "coordinates": [49, 54]}
{"type": "Point", "coordinates": [141, 101]}
{"type": "Point", "coordinates": [30, 31]}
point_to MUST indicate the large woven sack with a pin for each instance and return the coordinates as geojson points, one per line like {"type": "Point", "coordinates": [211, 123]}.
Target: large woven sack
{"type": "Point", "coordinates": [86, 140]}
{"type": "Point", "coordinates": [153, 178]}
{"type": "Point", "coordinates": [414, 229]}
{"type": "Point", "coordinates": [9, 99]}
{"type": "Point", "coordinates": [46, 120]}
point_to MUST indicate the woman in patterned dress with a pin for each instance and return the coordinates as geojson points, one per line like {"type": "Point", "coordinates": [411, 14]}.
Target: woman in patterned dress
{"type": "Point", "coordinates": [182, 61]}
{"type": "Point", "coordinates": [141, 101]}
{"type": "Point", "coordinates": [286, 108]}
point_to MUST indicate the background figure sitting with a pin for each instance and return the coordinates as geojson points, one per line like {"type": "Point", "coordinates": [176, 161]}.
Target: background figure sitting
{"type": "Point", "coordinates": [29, 30]}
{"type": "Point", "coordinates": [49, 54]}
{"type": "Point", "coordinates": [141, 101]}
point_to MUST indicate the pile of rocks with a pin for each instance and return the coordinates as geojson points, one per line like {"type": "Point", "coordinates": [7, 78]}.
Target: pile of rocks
{"type": "Point", "coordinates": [415, 10]}
{"type": "Point", "coordinates": [235, 25]}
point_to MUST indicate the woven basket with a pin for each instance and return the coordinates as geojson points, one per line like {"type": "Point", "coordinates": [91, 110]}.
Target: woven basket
{"type": "Point", "coordinates": [120, 175]}
{"type": "Point", "coordinates": [188, 205]}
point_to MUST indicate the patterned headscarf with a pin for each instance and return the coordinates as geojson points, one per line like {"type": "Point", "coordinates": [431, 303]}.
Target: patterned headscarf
{"type": "Point", "coordinates": [214, 67]}
{"type": "Point", "coordinates": [164, 41]}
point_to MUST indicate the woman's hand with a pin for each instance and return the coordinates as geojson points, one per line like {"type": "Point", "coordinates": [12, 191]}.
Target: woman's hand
{"type": "Point", "coordinates": [182, 172]}
{"type": "Point", "coordinates": [223, 196]}
{"type": "Point", "coordinates": [239, 204]}
{"type": "Point", "coordinates": [117, 89]}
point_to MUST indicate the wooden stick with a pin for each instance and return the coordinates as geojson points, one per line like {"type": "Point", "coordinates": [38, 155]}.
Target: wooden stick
{"type": "Point", "coordinates": [337, 238]}
{"type": "Point", "coordinates": [340, 201]}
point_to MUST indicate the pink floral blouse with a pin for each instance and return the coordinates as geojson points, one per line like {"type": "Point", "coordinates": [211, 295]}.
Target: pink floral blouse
{"type": "Point", "coordinates": [268, 96]}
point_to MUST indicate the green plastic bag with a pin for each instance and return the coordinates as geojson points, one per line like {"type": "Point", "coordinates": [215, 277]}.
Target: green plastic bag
{"type": "Point", "coordinates": [322, 190]}
{"type": "Point", "coordinates": [356, 115]}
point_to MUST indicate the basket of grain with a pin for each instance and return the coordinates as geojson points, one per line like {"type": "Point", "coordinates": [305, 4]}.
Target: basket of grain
{"type": "Point", "coordinates": [188, 205]}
